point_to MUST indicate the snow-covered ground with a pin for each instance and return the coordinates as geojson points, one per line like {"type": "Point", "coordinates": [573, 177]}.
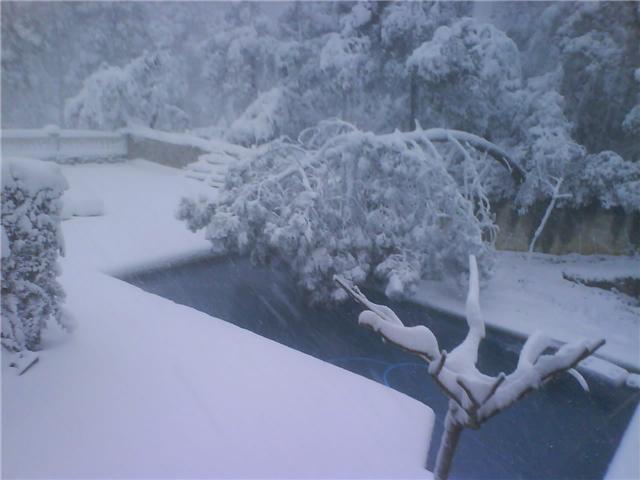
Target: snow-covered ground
{"type": "Point", "coordinates": [138, 227]}
{"type": "Point", "coordinates": [147, 388]}
{"type": "Point", "coordinates": [523, 297]}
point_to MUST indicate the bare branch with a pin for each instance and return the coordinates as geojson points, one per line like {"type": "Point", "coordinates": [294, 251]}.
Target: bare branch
{"type": "Point", "coordinates": [555, 195]}
{"type": "Point", "coordinates": [438, 366]}
{"type": "Point", "coordinates": [449, 393]}
{"type": "Point", "coordinates": [469, 393]}
{"type": "Point", "coordinates": [479, 143]}
{"type": "Point", "coordinates": [501, 378]}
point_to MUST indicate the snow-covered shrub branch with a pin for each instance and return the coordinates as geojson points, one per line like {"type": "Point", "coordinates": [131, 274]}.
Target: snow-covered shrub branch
{"type": "Point", "coordinates": [474, 397]}
{"type": "Point", "coordinates": [365, 206]}
{"type": "Point", "coordinates": [31, 242]}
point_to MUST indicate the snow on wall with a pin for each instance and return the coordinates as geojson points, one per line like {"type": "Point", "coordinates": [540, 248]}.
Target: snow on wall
{"type": "Point", "coordinates": [181, 150]}
{"type": "Point", "coordinates": [52, 143]}
{"type": "Point", "coordinates": [186, 139]}
{"type": "Point", "coordinates": [171, 154]}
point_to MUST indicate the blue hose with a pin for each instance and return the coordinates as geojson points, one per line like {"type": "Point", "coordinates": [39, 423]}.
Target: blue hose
{"type": "Point", "coordinates": [389, 367]}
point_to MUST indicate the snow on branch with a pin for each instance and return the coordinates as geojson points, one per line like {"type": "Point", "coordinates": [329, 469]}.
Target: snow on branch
{"type": "Point", "coordinates": [439, 135]}
{"type": "Point", "coordinates": [474, 397]}
{"type": "Point", "coordinates": [357, 204]}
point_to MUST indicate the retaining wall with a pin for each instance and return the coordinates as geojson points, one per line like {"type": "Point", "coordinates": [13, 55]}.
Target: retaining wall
{"type": "Point", "coordinates": [63, 145]}
{"type": "Point", "coordinates": [165, 153]}
{"type": "Point", "coordinates": [588, 231]}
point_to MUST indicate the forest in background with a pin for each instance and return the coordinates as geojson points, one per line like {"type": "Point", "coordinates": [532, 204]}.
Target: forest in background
{"type": "Point", "coordinates": [379, 65]}
{"type": "Point", "coordinates": [554, 84]}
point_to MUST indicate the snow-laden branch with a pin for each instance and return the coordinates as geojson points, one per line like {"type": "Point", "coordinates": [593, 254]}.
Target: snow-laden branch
{"type": "Point", "coordinates": [439, 135]}
{"type": "Point", "coordinates": [474, 397]}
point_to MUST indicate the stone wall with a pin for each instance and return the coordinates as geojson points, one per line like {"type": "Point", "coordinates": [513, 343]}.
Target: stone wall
{"type": "Point", "coordinates": [588, 231]}
{"type": "Point", "coordinates": [165, 153]}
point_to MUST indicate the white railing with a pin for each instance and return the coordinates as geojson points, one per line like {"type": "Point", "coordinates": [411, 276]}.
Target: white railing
{"type": "Point", "coordinates": [63, 145]}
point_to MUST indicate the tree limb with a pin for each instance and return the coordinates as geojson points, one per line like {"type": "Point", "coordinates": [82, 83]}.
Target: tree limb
{"type": "Point", "coordinates": [444, 135]}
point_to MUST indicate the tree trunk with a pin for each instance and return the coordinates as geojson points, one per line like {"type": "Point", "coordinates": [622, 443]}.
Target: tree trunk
{"type": "Point", "coordinates": [413, 101]}
{"type": "Point", "coordinates": [59, 71]}
{"type": "Point", "coordinates": [448, 444]}
{"type": "Point", "coordinates": [554, 197]}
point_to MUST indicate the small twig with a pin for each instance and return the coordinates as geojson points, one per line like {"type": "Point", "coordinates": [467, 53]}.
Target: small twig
{"type": "Point", "coordinates": [494, 388]}
{"type": "Point", "coordinates": [440, 364]}
{"type": "Point", "coordinates": [469, 393]}
{"type": "Point", "coordinates": [450, 394]}
{"type": "Point", "coordinates": [351, 291]}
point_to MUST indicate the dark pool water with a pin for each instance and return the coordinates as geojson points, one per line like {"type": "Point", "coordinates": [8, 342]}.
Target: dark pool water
{"type": "Point", "coordinates": [559, 432]}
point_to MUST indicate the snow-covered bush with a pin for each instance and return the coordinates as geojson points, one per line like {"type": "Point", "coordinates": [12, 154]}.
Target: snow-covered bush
{"type": "Point", "coordinates": [606, 179]}
{"type": "Point", "coordinates": [273, 114]}
{"type": "Point", "coordinates": [362, 206]}
{"type": "Point", "coordinates": [31, 242]}
{"type": "Point", "coordinates": [146, 91]}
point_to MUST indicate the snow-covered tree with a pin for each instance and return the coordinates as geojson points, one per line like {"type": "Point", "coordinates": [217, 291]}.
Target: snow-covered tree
{"type": "Point", "coordinates": [146, 91]}
{"type": "Point", "coordinates": [546, 149]}
{"type": "Point", "coordinates": [366, 206]}
{"type": "Point", "coordinates": [558, 169]}
{"type": "Point", "coordinates": [240, 60]}
{"type": "Point", "coordinates": [607, 180]}
{"type": "Point", "coordinates": [49, 48]}
{"type": "Point", "coordinates": [306, 20]}
{"type": "Point", "coordinates": [466, 77]}
{"type": "Point", "coordinates": [631, 122]}
{"type": "Point", "coordinates": [599, 52]}
{"type": "Point", "coordinates": [595, 45]}
{"type": "Point", "coordinates": [362, 65]}
{"type": "Point", "coordinates": [273, 114]}
{"type": "Point", "coordinates": [543, 139]}
{"type": "Point", "coordinates": [31, 242]}
{"type": "Point", "coordinates": [474, 397]}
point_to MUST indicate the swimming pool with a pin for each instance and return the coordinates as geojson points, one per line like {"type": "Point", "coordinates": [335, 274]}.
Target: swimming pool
{"type": "Point", "coordinates": [559, 432]}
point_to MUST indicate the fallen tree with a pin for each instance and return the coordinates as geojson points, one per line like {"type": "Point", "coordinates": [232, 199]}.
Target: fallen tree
{"type": "Point", "coordinates": [391, 208]}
